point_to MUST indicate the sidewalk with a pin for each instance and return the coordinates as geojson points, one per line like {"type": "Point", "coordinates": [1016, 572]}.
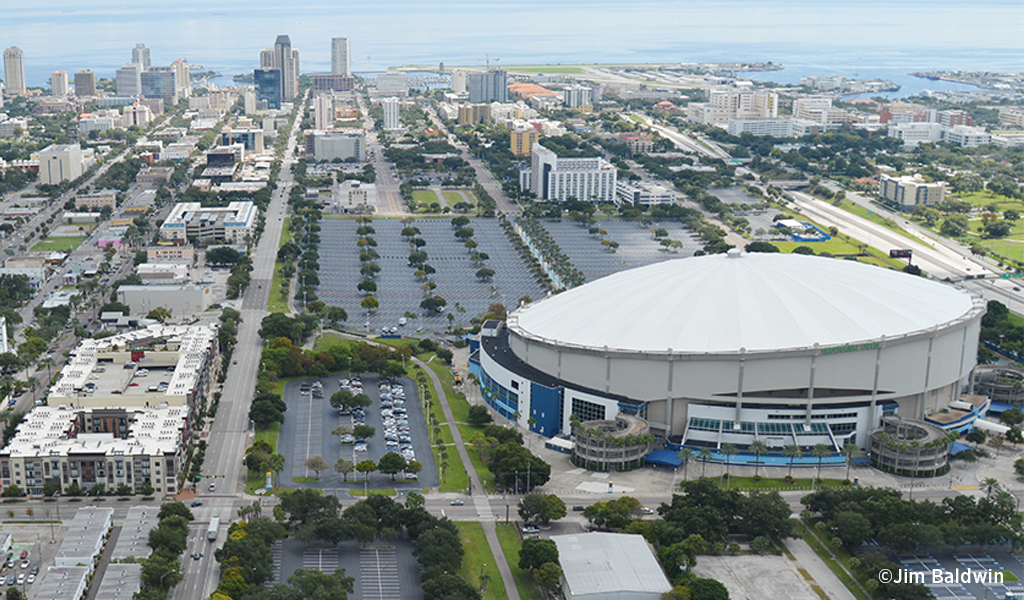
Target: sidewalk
{"type": "Point", "coordinates": [819, 571]}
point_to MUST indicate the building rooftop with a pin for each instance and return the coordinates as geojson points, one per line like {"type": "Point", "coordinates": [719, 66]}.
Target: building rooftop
{"type": "Point", "coordinates": [83, 539]}
{"type": "Point", "coordinates": [609, 564]}
{"type": "Point", "coordinates": [744, 303]}
{"type": "Point", "coordinates": [120, 582]}
{"type": "Point", "coordinates": [54, 431]}
{"type": "Point", "coordinates": [63, 583]}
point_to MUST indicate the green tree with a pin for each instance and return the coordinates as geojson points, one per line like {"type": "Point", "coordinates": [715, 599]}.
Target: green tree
{"type": "Point", "coordinates": [548, 576]}
{"type": "Point", "coordinates": [344, 467]}
{"type": "Point", "coordinates": [792, 452]}
{"type": "Point", "coordinates": [757, 448]}
{"type": "Point", "coordinates": [686, 455]}
{"type": "Point", "coordinates": [541, 508]}
{"type": "Point", "coordinates": [536, 552]}
{"type": "Point", "coordinates": [391, 464]}
{"type": "Point", "coordinates": [852, 452]}
{"type": "Point", "coordinates": [316, 464]}
{"type": "Point", "coordinates": [728, 451]}
{"type": "Point", "coordinates": [479, 415]}
{"type": "Point", "coordinates": [820, 451]}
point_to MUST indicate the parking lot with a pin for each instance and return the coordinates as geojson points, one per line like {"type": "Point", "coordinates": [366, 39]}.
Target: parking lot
{"type": "Point", "coordinates": [382, 570]}
{"type": "Point", "coordinates": [979, 563]}
{"type": "Point", "coordinates": [309, 421]}
{"type": "Point", "coordinates": [637, 246]}
{"type": "Point", "coordinates": [399, 291]}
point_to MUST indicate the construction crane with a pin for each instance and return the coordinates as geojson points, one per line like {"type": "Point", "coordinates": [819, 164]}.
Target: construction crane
{"type": "Point", "coordinates": [486, 59]}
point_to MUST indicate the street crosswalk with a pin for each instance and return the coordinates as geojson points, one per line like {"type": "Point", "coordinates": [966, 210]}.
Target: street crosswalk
{"type": "Point", "coordinates": [378, 572]}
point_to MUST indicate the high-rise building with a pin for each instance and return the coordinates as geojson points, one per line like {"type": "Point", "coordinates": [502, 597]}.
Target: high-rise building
{"type": "Point", "coordinates": [59, 163]}
{"type": "Point", "coordinates": [458, 81]}
{"type": "Point", "coordinates": [140, 56]}
{"type": "Point", "coordinates": [522, 140]}
{"type": "Point", "coordinates": [559, 179]}
{"type": "Point", "coordinates": [129, 80]}
{"type": "Point", "coordinates": [323, 112]}
{"type": "Point", "coordinates": [284, 59]}
{"type": "Point", "coordinates": [576, 96]}
{"type": "Point", "coordinates": [268, 87]}
{"type": "Point", "coordinates": [391, 113]}
{"type": "Point", "coordinates": [491, 86]}
{"type": "Point", "coordinates": [249, 101]}
{"type": "Point", "coordinates": [59, 83]}
{"type": "Point", "coordinates": [161, 82]}
{"type": "Point", "coordinates": [14, 71]}
{"type": "Point", "coordinates": [267, 58]}
{"type": "Point", "coordinates": [85, 83]}
{"type": "Point", "coordinates": [182, 78]}
{"type": "Point", "coordinates": [341, 56]}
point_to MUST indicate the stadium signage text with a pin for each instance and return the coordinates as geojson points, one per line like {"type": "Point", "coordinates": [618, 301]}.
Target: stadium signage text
{"type": "Point", "coordinates": [850, 348]}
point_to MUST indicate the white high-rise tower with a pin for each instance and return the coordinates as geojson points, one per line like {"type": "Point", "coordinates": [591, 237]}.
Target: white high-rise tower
{"type": "Point", "coordinates": [341, 56]}
{"type": "Point", "coordinates": [14, 71]}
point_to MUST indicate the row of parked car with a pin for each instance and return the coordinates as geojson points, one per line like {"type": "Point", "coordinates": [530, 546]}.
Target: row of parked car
{"type": "Point", "coordinates": [397, 433]}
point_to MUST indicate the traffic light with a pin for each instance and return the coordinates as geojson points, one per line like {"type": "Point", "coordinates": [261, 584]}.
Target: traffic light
{"type": "Point", "coordinates": [198, 477]}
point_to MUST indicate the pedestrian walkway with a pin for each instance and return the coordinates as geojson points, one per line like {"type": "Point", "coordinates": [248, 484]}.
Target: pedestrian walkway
{"type": "Point", "coordinates": [490, 531]}
{"type": "Point", "coordinates": [818, 570]}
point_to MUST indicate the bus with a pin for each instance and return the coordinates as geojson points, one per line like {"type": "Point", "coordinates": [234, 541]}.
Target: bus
{"type": "Point", "coordinates": [211, 531]}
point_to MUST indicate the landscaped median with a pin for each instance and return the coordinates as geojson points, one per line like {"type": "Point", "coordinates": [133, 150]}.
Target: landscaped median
{"type": "Point", "coordinates": [478, 564]}
{"type": "Point", "coordinates": [511, 544]}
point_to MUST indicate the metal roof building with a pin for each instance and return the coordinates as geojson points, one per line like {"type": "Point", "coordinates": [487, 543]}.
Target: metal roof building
{"type": "Point", "coordinates": [609, 566]}
{"type": "Point", "coordinates": [133, 540]}
{"type": "Point", "coordinates": [120, 582]}
{"type": "Point", "coordinates": [63, 583]}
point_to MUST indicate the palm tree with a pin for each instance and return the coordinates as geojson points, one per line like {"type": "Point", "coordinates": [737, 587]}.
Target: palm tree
{"type": "Point", "coordinates": [851, 451]}
{"type": "Point", "coordinates": [686, 455]}
{"type": "Point", "coordinates": [47, 363]}
{"type": "Point", "coordinates": [276, 464]}
{"type": "Point", "coordinates": [990, 484]}
{"type": "Point", "coordinates": [704, 455]}
{"type": "Point", "coordinates": [792, 452]}
{"type": "Point", "coordinates": [820, 451]}
{"type": "Point", "coordinates": [758, 448]}
{"type": "Point", "coordinates": [728, 450]}
{"type": "Point", "coordinates": [244, 511]}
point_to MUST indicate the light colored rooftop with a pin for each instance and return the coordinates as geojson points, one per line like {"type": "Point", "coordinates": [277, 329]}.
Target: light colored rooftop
{"type": "Point", "coordinates": [52, 431]}
{"type": "Point", "coordinates": [609, 563]}
{"type": "Point", "coordinates": [84, 538]}
{"type": "Point", "coordinates": [173, 354]}
{"type": "Point", "coordinates": [751, 302]}
{"type": "Point", "coordinates": [63, 583]}
{"type": "Point", "coordinates": [120, 582]}
{"type": "Point", "coordinates": [134, 537]}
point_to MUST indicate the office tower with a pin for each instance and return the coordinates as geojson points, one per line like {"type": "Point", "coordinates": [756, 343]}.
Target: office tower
{"type": "Point", "coordinates": [391, 114]}
{"type": "Point", "coordinates": [140, 56]}
{"type": "Point", "coordinates": [576, 96]}
{"type": "Point", "coordinates": [284, 60]}
{"type": "Point", "coordinates": [85, 83]}
{"type": "Point", "coordinates": [129, 80]}
{"type": "Point", "coordinates": [59, 83]}
{"type": "Point", "coordinates": [491, 86]}
{"type": "Point", "coordinates": [341, 56]}
{"type": "Point", "coordinates": [1, 94]}
{"type": "Point", "coordinates": [267, 58]}
{"type": "Point", "coordinates": [161, 82]}
{"type": "Point", "coordinates": [182, 78]}
{"type": "Point", "coordinates": [14, 71]}
{"type": "Point", "coordinates": [268, 87]}
{"type": "Point", "coordinates": [323, 112]}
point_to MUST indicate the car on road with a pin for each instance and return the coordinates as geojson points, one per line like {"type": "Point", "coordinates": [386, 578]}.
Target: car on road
{"type": "Point", "coordinates": [30, 579]}
{"type": "Point", "coordinates": [531, 529]}
{"type": "Point", "coordinates": [579, 508]}
{"type": "Point", "coordinates": [234, 362]}
{"type": "Point", "coordinates": [647, 510]}
{"type": "Point", "coordinates": [12, 580]}
{"type": "Point", "coordinates": [197, 555]}
{"type": "Point", "coordinates": [196, 503]}
{"type": "Point", "coordinates": [457, 502]}
{"type": "Point", "coordinates": [213, 487]}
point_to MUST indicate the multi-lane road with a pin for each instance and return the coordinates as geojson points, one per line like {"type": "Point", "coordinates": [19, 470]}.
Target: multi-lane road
{"type": "Point", "coordinates": [230, 432]}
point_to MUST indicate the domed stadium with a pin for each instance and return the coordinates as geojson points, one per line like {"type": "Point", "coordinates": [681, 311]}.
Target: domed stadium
{"type": "Point", "coordinates": [731, 348]}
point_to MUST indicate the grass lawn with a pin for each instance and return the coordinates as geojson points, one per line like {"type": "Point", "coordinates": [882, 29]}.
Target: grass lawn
{"type": "Point", "coordinates": [1011, 246]}
{"type": "Point", "coordinates": [843, 556]}
{"type": "Point", "coordinates": [985, 199]}
{"type": "Point", "coordinates": [508, 537]}
{"type": "Point", "coordinates": [276, 303]}
{"type": "Point", "coordinates": [453, 197]}
{"type": "Point", "coordinates": [874, 217]}
{"type": "Point", "coordinates": [424, 198]}
{"type": "Point", "coordinates": [269, 435]}
{"type": "Point", "coordinates": [748, 483]}
{"type": "Point", "coordinates": [478, 560]}
{"type": "Point", "coordinates": [455, 477]}
{"type": "Point", "coordinates": [372, 492]}
{"type": "Point", "coordinates": [58, 243]}
{"type": "Point", "coordinates": [286, 233]}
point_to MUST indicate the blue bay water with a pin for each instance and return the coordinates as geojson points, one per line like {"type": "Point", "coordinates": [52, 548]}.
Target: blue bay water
{"type": "Point", "coordinates": [870, 38]}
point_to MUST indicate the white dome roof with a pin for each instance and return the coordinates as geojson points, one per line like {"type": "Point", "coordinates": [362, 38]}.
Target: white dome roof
{"type": "Point", "coordinates": [722, 303]}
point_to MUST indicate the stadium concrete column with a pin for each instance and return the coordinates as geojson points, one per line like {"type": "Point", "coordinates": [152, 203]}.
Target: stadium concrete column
{"type": "Point", "coordinates": [739, 390]}
{"type": "Point", "coordinates": [874, 386]}
{"type": "Point", "coordinates": [810, 387]}
{"type": "Point", "coordinates": [927, 374]}
{"type": "Point", "coordinates": [607, 371]}
{"type": "Point", "coordinates": [669, 400]}
{"type": "Point", "coordinates": [959, 382]}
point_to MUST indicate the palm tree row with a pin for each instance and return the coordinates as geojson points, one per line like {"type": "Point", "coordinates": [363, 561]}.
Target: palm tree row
{"type": "Point", "coordinates": [758, 448]}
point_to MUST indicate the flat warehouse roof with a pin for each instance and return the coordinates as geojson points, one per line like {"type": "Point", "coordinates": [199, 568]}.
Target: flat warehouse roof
{"type": "Point", "coordinates": [606, 563]}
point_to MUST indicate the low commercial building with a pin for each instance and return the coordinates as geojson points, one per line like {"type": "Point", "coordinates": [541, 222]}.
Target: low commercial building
{"type": "Point", "coordinates": [163, 274]}
{"type": "Point", "coordinates": [609, 566]}
{"type": "Point", "coordinates": [133, 541]}
{"type": "Point", "coordinates": [645, 194]}
{"type": "Point", "coordinates": [120, 581]}
{"type": "Point", "coordinates": [181, 299]}
{"type": "Point", "coordinates": [171, 254]}
{"type": "Point", "coordinates": [234, 223]}
{"type": "Point", "coordinates": [967, 137]}
{"type": "Point", "coordinates": [353, 193]}
{"type": "Point", "coordinates": [97, 200]}
{"type": "Point", "coordinates": [84, 540]}
{"type": "Point", "coordinates": [638, 143]}
{"type": "Point", "coordinates": [64, 583]}
{"type": "Point", "coordinates": [521, 141]}
{"type": "Point", "coordinates": [909, 191]}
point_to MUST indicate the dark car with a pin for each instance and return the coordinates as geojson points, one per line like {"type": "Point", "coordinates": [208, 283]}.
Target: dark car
{"type": "Point", "coordinates": [579, 508]}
